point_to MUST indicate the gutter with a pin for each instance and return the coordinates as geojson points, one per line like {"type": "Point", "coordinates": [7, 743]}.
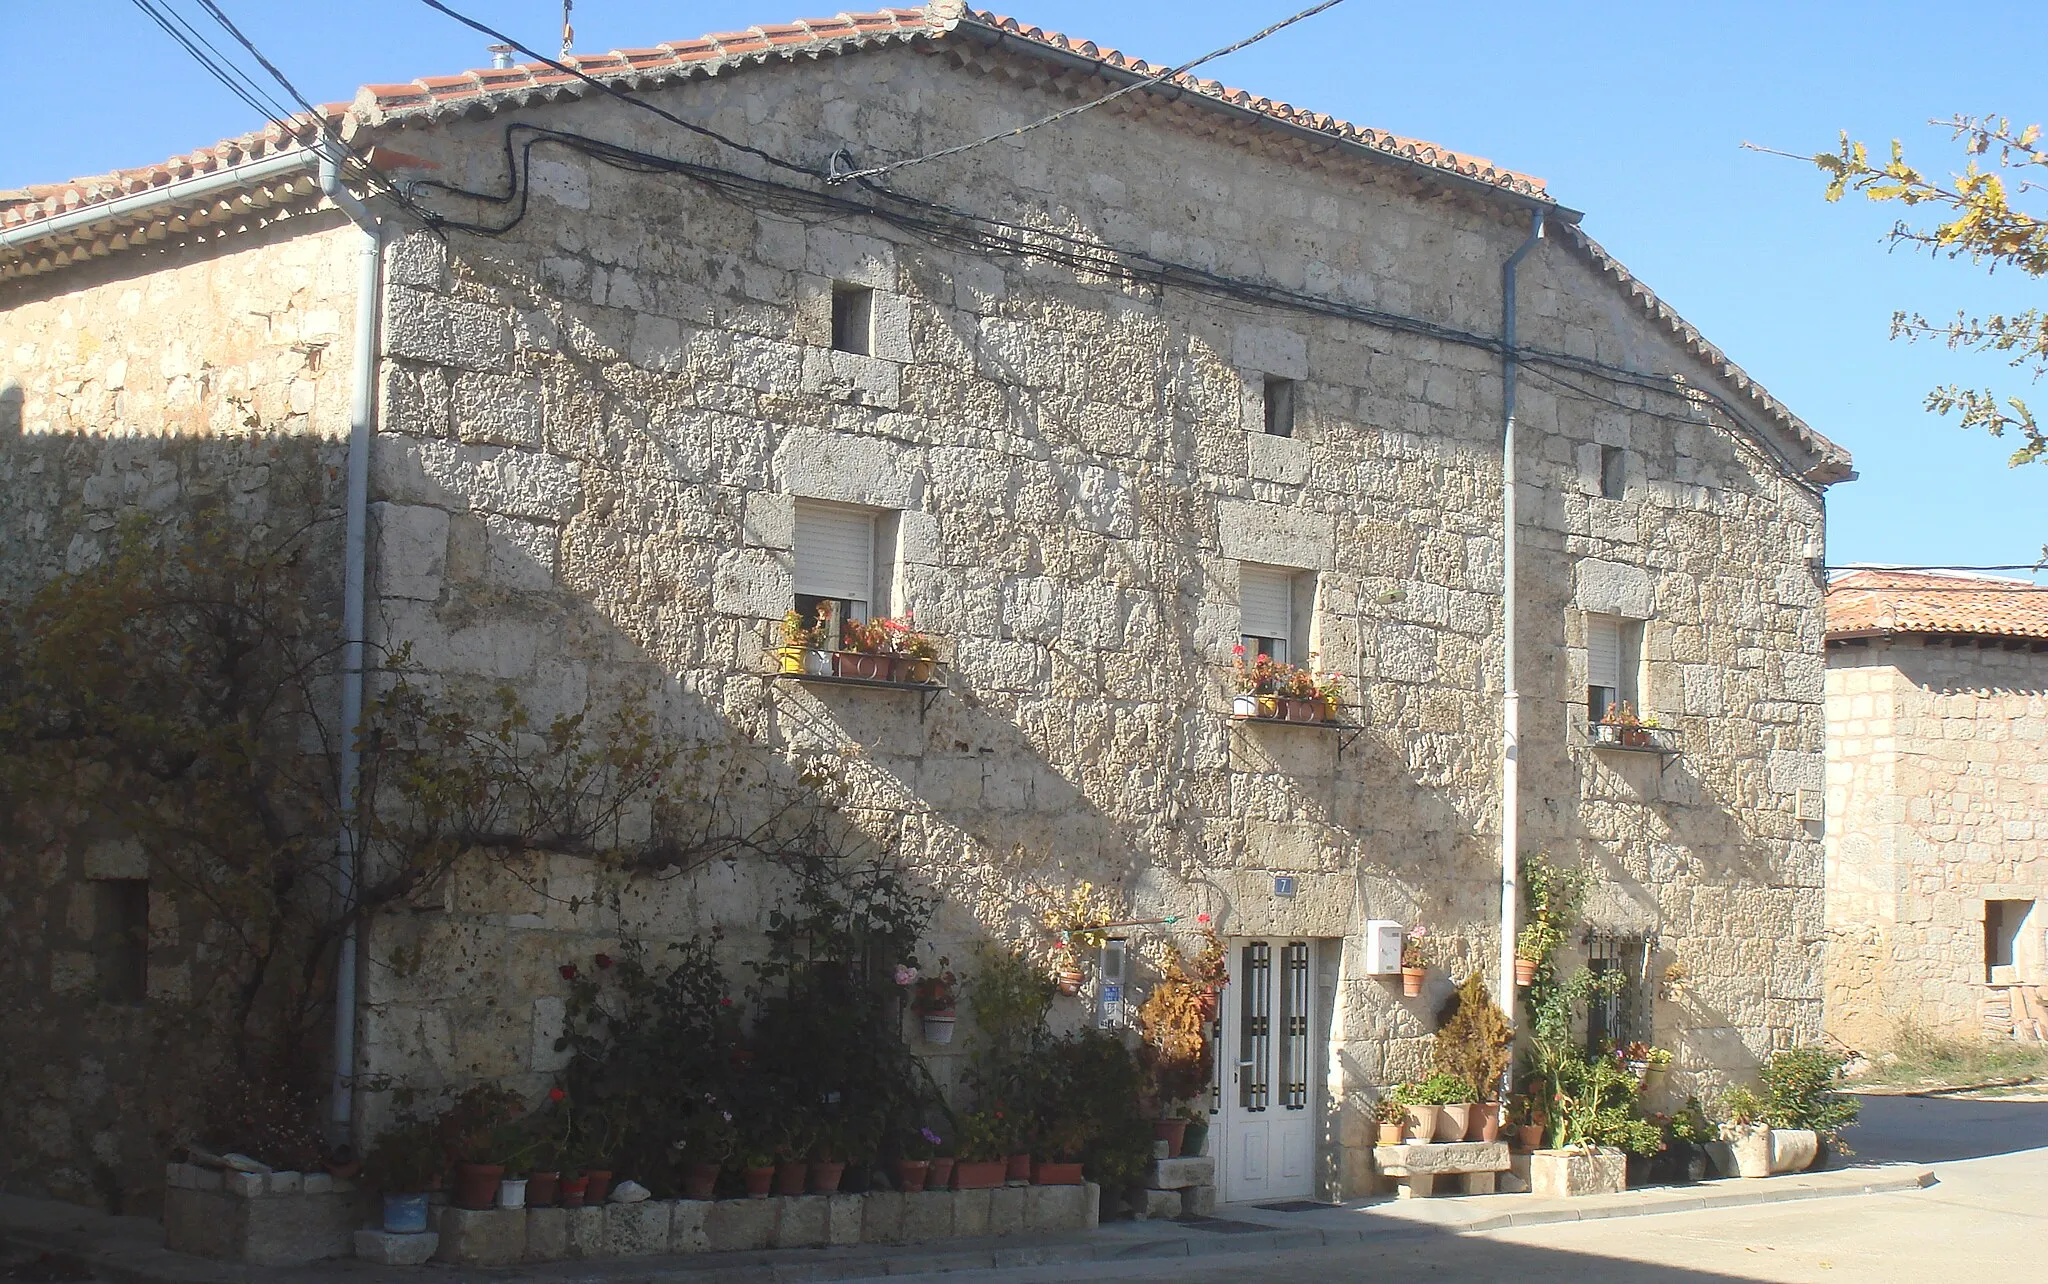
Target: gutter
{"type": "Point", "coordinates": [121, 208]}
{"type": "Point", "coordinates": [361, 426]}
{"type": "Point", "coordinates": [1511, 696]}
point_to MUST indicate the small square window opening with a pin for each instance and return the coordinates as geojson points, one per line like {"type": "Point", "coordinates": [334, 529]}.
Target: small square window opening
{"type": "Point", "coordinates": [853, 318]}
{"type": "Point", "coordinates": [1279, 406]}
{"type": "Point", "coordinates": [1613, 472]}
{"type": "Point", "coordinates": [2004, 927]}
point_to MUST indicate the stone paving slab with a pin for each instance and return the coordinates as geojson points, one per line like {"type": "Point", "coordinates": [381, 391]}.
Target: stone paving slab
{"type": "Point", "coordinates": [130, 1250]}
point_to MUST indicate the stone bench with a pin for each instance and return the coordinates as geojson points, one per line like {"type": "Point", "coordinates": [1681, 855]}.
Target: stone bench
{"type": "Point", "coordinates": [1183, 1187]}
{"type": "Point", "coordinates": [1416, 1167]}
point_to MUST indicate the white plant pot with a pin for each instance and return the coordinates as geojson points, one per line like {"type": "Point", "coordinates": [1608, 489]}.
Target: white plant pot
{"type": "Point", "coordinates": [1244, 706]}
{"type": "Point", "coordinates": [512, 1192]}
{"type": "Point", "coordinates": [938, 1029]}
{"type": "Point", "coordinates": [818, 663]}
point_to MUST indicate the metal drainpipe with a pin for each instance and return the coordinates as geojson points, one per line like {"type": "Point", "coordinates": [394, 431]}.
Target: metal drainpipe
{"type": "Point", "coordinates": [362, 408]}
{"type": "Point", "coordinates": [1511, 697]}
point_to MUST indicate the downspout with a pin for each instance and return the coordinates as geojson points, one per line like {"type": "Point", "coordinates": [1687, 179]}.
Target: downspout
{"type": "Point", "coordinates": [1511, 695]}
{"type": "Point", "coordinates": [362, 408]}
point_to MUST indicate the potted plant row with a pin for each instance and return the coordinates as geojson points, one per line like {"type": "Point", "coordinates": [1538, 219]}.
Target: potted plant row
{"type": "Point", "coordinates": [884, 649]}
{"type": "Point", "coordinates": [1275, 690]}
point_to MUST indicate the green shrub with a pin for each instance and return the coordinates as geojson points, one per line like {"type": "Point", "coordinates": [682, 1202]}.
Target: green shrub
{"type": "Point", "coordinates": [1800, 1091]}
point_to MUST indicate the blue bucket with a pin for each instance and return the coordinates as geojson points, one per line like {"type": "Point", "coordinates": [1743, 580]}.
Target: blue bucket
{"type": "Point", "coordinates": [405, 1214]}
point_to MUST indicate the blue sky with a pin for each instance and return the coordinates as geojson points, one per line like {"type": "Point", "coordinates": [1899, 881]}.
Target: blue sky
{"type": "Point", "coordinates": [1633, 112]}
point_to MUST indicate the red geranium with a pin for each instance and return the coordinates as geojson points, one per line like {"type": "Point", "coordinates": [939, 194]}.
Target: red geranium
{"type": "Point", "coordinates": [556, 1094]}
{"type": "Point", "coordinates": [604, 960]}
{"type": "Point", "coordinates": [568, 971]}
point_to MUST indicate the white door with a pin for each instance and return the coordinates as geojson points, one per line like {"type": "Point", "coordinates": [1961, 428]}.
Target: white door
{"type": "Point", "coordinates": [1264, 1057]}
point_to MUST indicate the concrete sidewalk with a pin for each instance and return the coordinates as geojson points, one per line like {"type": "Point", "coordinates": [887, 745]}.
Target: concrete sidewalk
{"type": "Point", "coordinates": [130, 1249]}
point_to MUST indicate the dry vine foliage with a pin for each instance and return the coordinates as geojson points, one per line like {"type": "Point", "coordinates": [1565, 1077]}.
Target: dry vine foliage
{"type": "Point", "coordinates": [1174, 1047]}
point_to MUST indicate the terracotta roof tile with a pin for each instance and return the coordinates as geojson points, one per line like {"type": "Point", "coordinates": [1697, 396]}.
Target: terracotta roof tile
{"type": "Point", "coordinates": [1863, 603]}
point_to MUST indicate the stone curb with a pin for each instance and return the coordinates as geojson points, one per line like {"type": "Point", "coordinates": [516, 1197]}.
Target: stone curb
{"type": "Point", "coordinates": [1123, 1241]}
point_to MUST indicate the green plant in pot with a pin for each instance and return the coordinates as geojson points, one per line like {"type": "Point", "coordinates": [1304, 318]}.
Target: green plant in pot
{"type": "Point", "coordinates": [405, 1162]}
{"type": "Point", "coordinates": [1473, 1044]}
{"type": "Point", "coordinates": [473, 1140]}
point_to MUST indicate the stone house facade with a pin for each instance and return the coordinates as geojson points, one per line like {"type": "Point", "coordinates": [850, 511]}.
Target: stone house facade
{"type": "Point", "coordinates": [1937, 810]}
{"type": "Point", "coordinates": [1105, 399]}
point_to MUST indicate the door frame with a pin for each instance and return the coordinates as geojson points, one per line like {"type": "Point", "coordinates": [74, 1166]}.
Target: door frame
{"type": "Point", "coordinates": [1223, 1031]}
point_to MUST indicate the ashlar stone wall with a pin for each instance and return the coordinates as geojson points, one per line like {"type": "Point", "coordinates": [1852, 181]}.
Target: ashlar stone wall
{"type": "Point", "coordinates": [1937, 804]}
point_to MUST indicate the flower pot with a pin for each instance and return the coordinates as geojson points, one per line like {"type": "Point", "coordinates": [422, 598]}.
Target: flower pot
{"type": "Point", "coordinates": [941, 1175]}
{"type": "Point", "coordinates": [543, 1187]}
{"type": "Point", "coordinates": [1018, 1168]}
{"type": "Point", "coordinates": [1390, 1134]}
{"type": "Point", "coordinates": [1174, 1132]}
{"type": "Point", "coordinates": [572, 1191]}
{"type": "Point", "coordinates": [476, 1185]}
{"type": "Point", "coordinates": [700, 1181]}
{"type": "Point", "coordinates": [913, 669]}
{"type": "Point", "coordinates": [405, 1214]}
{"type": "Point", "coordinates": [1051, 1174]}
{"type": "Point", "coordinates": [792, 658]}
{"type": "Point", "coordinates": [600, 1185]}
{"type": "Point", "coordinates": [1637, 1068]}
{"type": "Point", "coordinates": [1412, 979]}
{"type": "Point", "coordinates": [1296, 709]}
{"type": "Point", "coordinates": [1485, 1122]}
{"type": "Point", "coordinates": [911, 1175]}
{"type": "Point", "coordinates": [792, 1177]}
{"type": "Point", "coordinates": [1605, 733]}
{"type": "Point", "coordinates": [1244, 706]}
{"type": "Point", "coordinates": [938, 1027]}
{"type": "Point", "coordinates": [759, 1181]}
{"type": "Point", "coordinates": [1269, 706]}
{"type": "Point", "coordinates": [1452, 1123]}
{"type": "Point", "coordinates": [856, 664]}
{"type": "Point", "coordinates": [1210, 1002]}
{"type": "Point", "coordinates": [1196, 1140]}
{"type": "Point", "coordinates": [1422, 1122]}
{"type": "Point", "coordinates": [979, 1174]}
{"type": "Point", "coordinates": [825, 1175]}
{"type": "Point", "coordinates": [1635, 738]}
{"type": "Point", "coordinates": [346, 1169]}
{"type": "Point", "coordinates": [1529, 1136]}
{"type": "Point", "coordinates": [1069, 979]}
{"type": "Point", "coordinates": [1525, 971]}
{"type": "Point", "coordinates": [512, 1192]}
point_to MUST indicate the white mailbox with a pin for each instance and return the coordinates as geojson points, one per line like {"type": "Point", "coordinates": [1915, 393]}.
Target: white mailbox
{"type": "Point", "coordinates": [1383, 947]}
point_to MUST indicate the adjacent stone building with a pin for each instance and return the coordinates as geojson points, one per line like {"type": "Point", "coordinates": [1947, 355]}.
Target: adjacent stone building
{"type": "Point", "coordinates": [1095, 402]}
{"type": "Point", "coordinates": [1937, 809]}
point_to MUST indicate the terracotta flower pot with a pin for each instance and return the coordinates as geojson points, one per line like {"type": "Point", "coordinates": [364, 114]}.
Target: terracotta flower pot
{"type": "Point", "coordinates": [791, 1177]}
{"type": "Point", "coordinates": [1390, 1134]}
{"type": "Point", "coordinates": [600, 1185]}
{"type": "Point", "coordinates": [1452, 1123]}
{"type": "Point", "coordinates": [941, 1175]}
{"type": "Point", "coordinates": [1485, 1122]}
{"type": "Point", "coordinates": [1529, 1136]}
{"type": "Point", "coordinates": [1525, 971]}
{"type": "Point", "coordinates": [1422, 1122]}
{"type": "Point", "coordinates": [1069, 979]}
{"type": "Point", "coordinates": [759, 1181]}
{"type": "Point", "coordinates": [1052, 1174]}
{"type": "Point", "coordinates": [476, 1185]}
{"type": "Point", "coordinates": [542, 1187]}
{"type": "Point", "coordinates": [700, 1181]}
{"type": "Point", "coordinates": [1174, 1132]}
{"type": "Point", "coordinates": [1018, 1168]}
{"type": "Point", "coordinates": [825, 1175]}
{"type": "Point", "coordinates": [1412, 979]}
{"type": "Point", "coordinates": [1210, 1001]}
{"type": "Point", "coordinates": [979, 1174]}
{"type": "Point", "coordinates": [911, 1175]}
{"type": "Point", "coordinates": [572, 1191]}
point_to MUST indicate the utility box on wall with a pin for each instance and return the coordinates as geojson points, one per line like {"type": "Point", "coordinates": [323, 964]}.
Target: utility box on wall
{"type": "Point", "coordinates": [1383, 947]}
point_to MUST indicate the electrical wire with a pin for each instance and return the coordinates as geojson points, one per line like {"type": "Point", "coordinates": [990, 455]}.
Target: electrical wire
{"type": "Point", "coordinates": [216, 64]}
{"type": "Point", "coordinates": [1175, 73]}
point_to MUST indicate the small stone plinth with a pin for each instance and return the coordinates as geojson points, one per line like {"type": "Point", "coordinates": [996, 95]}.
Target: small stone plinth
{"type": "Point", "coordinates": [388, 1249]}
{"type": "Point", "coordinates": [1568, 1174]}
{"type": "Point", "coordinates": [1179, 1174]}
{"type": "Point", "coordinates": [637, 1230]}
{"type": "Point", "coordinates": [482, 1236]}
{"type": "Point", "coordinates": [1421, 1169]}
{"type": "Point", "coordinates": [1764, 1152]}
{"type": "Point", "coordinates": [264, 1219]}
{"type": "Point", "coordinates": [741, 1225]}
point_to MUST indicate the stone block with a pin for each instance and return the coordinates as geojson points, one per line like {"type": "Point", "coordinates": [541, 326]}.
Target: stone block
{"type": "Point", "coordinates": [1198, 1201]}
{"type": "Point", "coordinates": [290, 1231]}
{"type": "Point", "coordinates": [411, 550]}
{"type": "Point", "coordinates": [1480, 1183]}
{"type": "Point", "coordinates": [1441, 1158]}
{"type": "Point", "coordinates": [547, 1234]}
{"type": "Point", "coordinates": [802, 1223]}
{"type": "Point", "coordinates": [1091, 1210]}
{"type": "Point", "coordinates": [927, 1216]}
{"type": "Point", "coordinates": [741, 1225]}
{"type": "Point", "coordinates": [686, 1226]}
{"type": "Point", "coordinates": [842, 1219]}
{"type": "Point", "coordinates": [178, 1177]}
{"type": "Point", "coordinates": [970, 1213]}
{"type": "Point", "coordinates": [881, 1217]}
{"type": "Point", "coordinates": [1179, 1174]}
{"type": "Point", "coordinates": [1006, 1210]}
{"type": "Point", "coordinates": [322, 1184]}
{"type": "Point", "coordinates": [583, 1234]}
{"type": "Point", "coordinates": [283, 1183]}
{"type": "Point", "coordinates": [1419, 1186]}
{"type": "Point", "coordinates": [243, 1185]}
{"type": "Point", "coordinates": [207, 1178]}
{"type": "Point", "coordinates": [637, 1230]}
{"type": "Point", "coordinates": [1567, 1174]}
{"type": "Point", "coordinates": [1156, 1205]}
{"type": "Point", "coordinates": [1055, 1208]}
{"type": "Point", "coordinates": [482, 1237]}
{"type": "Point", "coordinates": [387, 1249]}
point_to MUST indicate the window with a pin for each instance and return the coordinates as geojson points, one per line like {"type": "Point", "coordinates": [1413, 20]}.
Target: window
{"type": "Point", "coordinates": [1623, 1017]}
{"type": "Point", "coordinates": [835, 567]}
{"type": "Point", "coordinates": [1613, 472]}
{"type": "Point", "coordinates": [1279, 406]}
{"type": "Point", "coordinates": [853, 318]}
{"type": "Point", "coordinates": [121, 938]}
{"type": "Point", "coordinates": [1265, 603]}
{"type": "Point", "coordinates": [1614, 660]}
{"type": "Point", "coordinates": [2004, 928]}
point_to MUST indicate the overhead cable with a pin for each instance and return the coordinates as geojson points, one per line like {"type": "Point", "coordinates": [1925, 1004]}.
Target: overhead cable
{"type": "Point", "coordinates": [1174, 73]}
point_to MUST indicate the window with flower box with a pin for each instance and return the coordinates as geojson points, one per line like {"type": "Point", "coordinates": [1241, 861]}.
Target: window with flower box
{"type": "Point", "coordinates": [1273, 671]}
{"type": "Point", "coordinates": [838, 628]}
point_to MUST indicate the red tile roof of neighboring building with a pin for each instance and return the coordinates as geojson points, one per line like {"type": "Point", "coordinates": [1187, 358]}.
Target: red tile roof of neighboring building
{"type": "Point", "coordinates": [1863, 603]}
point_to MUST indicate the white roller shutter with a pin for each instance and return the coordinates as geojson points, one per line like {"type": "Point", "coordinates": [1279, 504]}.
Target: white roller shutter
{"type": "Point", "coordinates": [1265, 601]}
{"type": "Point", "coordinates": [835, 552]}
{"type": "Point", "coordinates": [1603, 652]}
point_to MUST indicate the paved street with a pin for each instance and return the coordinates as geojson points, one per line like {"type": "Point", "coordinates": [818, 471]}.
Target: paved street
{"type": "Point", "coordinates": [1985, 1222]}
